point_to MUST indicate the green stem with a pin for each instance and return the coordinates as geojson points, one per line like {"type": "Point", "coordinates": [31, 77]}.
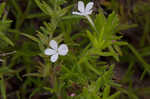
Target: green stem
{"type": "Point", "coordinates": [2, 86]}
{"type": "Point", "coordinates": [91, 22]}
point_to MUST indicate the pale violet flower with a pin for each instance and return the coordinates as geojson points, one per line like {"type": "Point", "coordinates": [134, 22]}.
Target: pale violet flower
{"type": "Point", "coordinates": [84, 11]}
{"type": "Point", "coordinates": [73, 94]}
{"type": "Point", "coordinates": [55, 51]}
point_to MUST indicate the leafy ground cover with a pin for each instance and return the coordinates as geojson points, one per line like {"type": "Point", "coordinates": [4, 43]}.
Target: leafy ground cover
{"type": "Point", "coordinates": [70, 49]}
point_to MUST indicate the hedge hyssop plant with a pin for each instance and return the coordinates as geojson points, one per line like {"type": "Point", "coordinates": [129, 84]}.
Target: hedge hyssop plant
{"type": "Point", "coordinates": [74, 52]}
{"type": "Point", "coordinates": [79, 73]}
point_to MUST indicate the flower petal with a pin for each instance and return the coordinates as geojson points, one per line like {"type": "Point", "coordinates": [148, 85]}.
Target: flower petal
{"type": "Point", "coordinates": [89, 12]}
{"type": "Point", "coordinates": [53, 44]}
{"type": "Point", "coordinates": [77, 13]}
{"type": "Point", "coordinates": [81, 6]}
{"type": "Point", "coordinates": [49, 51]}
{"type": "Point", "coordinates": [63, 50]}
{"type": "Point", "coordinates": [54, 57]}
{"type": "Point", "coordinates": [89, 6]}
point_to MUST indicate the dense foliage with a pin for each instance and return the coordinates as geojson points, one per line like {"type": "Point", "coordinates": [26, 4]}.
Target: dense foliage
{"type": "Point", "coordinates": [107, 53]}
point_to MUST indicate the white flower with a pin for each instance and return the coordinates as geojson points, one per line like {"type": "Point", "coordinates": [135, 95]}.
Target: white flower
{"type": "Point", "coordinates": [84, 11]}
{"type": "Point", "coordinates": [55, 51]}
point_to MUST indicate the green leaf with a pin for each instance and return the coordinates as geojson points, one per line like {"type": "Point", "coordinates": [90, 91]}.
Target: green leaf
{"type": "Point", "coordinates": [126, 26]}
{"type": "Point", "coordinates": [143, 62]}
{"type": "Point", "coordinates": [110, 26]}
{"type": "Point", "coordinates": [4, 70]}
{"type": "Point", "coordinates": [31, 37]}
{"type": "Point", "coordinates": [44, 7]}
{"type": "Point", "coordinates": [114, 96]}
{"type": "Point", "coordinates": [100, 21]}
{"type": "Point", "coordinates": [2, 7]}
{"type": "Point", "coordinates": [6, 39]}
{"type": "Point", "coordinates": [71, 17]}
{"type": "Point", "coordinates": [106, 92]}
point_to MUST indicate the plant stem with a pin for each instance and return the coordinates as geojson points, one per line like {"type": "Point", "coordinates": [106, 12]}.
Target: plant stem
{"type": "Point", "coordinates": [91, 22]}
{"type": "Point", "coordinates": [2, 86]}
